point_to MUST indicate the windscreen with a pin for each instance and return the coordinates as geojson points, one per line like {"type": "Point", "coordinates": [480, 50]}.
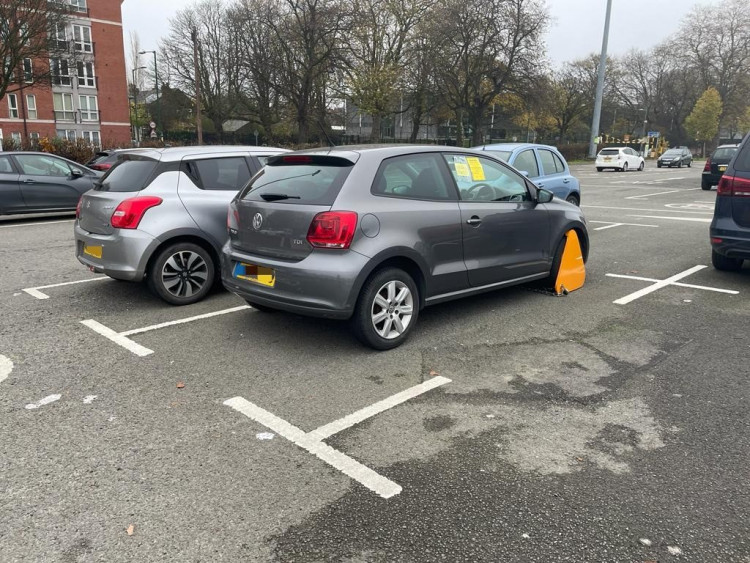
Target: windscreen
{"type": "Point", "coordinates": [672, 153]}
{"type": "Point", "coordinates": [725, 154]}
{"type": "Point", "coordinates": [608, 152]}
{"type": "Point", "coordinates": [130, 174]}
{"type": "Point", "coordinates": [299, 180]}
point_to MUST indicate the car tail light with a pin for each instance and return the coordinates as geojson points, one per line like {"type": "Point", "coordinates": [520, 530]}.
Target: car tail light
{"type": "Point", "coordinates": [332, 229]}
{"type": "Point", "coordinates": [78, 207]}
{"type": "Point", "coordinates": [130, 211]}
{"type": "Point", "coordinates": [297, 159]}
{"type": "Point", "coordinates": [233, 219]}
{"type": "Point", "coordinates": [707, 167]}
{"type": "Point", "coordinates": [733, 186]}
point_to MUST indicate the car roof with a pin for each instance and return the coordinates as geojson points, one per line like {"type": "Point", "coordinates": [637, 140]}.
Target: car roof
{"type": "Point", "coordinates": [729, 146]}
{"type": "Point", "coordinates": [173, 154]}
{"type": "Point", "coordinates": [511, 146]}
{"type": "Point", "coordinates": [383, 151]}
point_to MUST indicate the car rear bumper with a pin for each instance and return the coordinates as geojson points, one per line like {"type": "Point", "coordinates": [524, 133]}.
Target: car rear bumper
{"type": "Point", "coordinates": [324, 284]}
{"type": "Point", "coordinates": [124, 254]}
{"type": "Point", "coordinates": [711, 178]}
{"type": "Point", "coordinates": [729, 239]}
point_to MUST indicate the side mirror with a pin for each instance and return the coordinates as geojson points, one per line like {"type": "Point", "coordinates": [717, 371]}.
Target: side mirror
{"type": "Point", "coordinates": [76, 173]}
{"type": "Point", "coordinates": [525, 173]}
{"type": "Point", "coordinates": [544, 196]}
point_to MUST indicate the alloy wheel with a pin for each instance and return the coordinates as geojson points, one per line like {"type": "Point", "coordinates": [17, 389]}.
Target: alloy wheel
{"type": "Point", "coordinates": [392, 309]}
{"type": "Point", "coordinates": [184, 273]}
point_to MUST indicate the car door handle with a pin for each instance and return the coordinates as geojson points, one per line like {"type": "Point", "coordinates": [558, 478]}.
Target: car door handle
{"type": "Point", "coordinates": [29, 181]}
{"type": "Point", "coordinates": [566, 180]}
{"type": "Point", "coordinates": [473, 221]}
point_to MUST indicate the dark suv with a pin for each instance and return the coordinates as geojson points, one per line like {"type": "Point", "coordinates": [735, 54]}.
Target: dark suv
{"type": "Point", "coordinates": [730, 228]}
{"type": "Point", "coordinates": [716, 165]}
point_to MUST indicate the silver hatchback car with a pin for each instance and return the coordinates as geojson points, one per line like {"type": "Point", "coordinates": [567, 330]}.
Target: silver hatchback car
{"type": "Point", "coordinates": [161, 215]}
{"type": "Point", "coordinates": [376, 233]}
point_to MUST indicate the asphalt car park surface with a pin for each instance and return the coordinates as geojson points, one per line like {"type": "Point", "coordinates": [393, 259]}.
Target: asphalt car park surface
{"type": "Point", "coordinates": [607, 425]}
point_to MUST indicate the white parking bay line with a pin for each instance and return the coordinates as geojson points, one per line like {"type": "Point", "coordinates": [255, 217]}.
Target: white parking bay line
{"type": "Point", "coordinates": [693, 219]}
{"type": "Point", "coordinates": [649, 210]}
{"type": "Point", "coordinates": [611, 224]}
{"type": "Point", "coordinates": [643, 196]}
{"type": "Point", "coordinates": [35, 224]}
{"type": "Point", "coordinates": [679, 284]}
{"type": "Point", "coordinates": [348, 466]}
{"type": "Point", "coordinates": [328, 430]}
{"type": "Point", "coordinates": [34, 291]}
{"type": "Point", "coordinates": [181, 321]}
{"type": "Point", "coordinates": [117, 338]}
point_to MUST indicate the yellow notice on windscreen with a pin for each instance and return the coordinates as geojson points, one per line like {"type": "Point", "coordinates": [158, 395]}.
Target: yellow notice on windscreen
{"type": "Point", "coordinates": [477, 172]}
{"type": "Point", "coordinates": [462, 169]}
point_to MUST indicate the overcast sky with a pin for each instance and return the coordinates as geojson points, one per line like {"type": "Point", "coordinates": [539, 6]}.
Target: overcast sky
{"type": "Point", "coordinates": [576, 30]}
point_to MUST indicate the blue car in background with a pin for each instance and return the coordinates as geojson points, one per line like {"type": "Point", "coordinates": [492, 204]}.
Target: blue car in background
{"type": "Point", "coordinates": [542, 164]}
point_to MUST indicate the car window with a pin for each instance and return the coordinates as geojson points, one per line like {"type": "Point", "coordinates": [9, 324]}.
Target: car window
{"type": "Point", "coordinates": [299, 179]}
{"type": "Point", "coordinates": [526, 161]}
{"type": "Point", "coordinates": [414, 176]}
{"type": "Point", "coordinates": [5, 166]}
{"type": "Point", "coordinates": [502, 155]}
{"type": "Point", "coordinates": [742, 161]}
{"type": "Point", "coordinates": [482, 179]}
{"type": "Point", "coordinates": [131, 174]}
{"type": "Point", "coordinates": [725, 153]}
{"type": "Point", "coordinates": [228, 174]}
{"type": "Point", "coordinates": [609, 152]}
{"type": "Point", "coordinates": [42, 165]}
{"type": "Point", "coordinates": [551, 163]}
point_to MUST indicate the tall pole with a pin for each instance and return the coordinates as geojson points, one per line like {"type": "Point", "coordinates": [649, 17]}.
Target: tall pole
{"type": "Point", "coordinates": [198, 123]}
{"type": "Point", "coordinates": [600, 85]}
{"type": "Point", "coordinates": [156, 87]}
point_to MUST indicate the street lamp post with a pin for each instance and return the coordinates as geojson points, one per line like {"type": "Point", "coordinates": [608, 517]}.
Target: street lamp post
{"type": "Point", "coordinates": [600, 84]}
{"type": "Point", "coordinates": [156, 87]}
{"type": "Point", "coordinates": [135, 100]}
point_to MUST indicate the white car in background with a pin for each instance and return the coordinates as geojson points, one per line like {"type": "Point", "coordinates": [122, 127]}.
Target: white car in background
{"type": "Point", "coordinates": [619, 158]}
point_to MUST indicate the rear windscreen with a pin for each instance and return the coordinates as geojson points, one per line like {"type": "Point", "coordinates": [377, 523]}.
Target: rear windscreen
{"type": "Point", "coordinates": [97, 159]}
{"type": "Point", "coordinates": [609, 151]}
{"type": "Point", "coordinates": [502, 155]}
{"type": "Point", "coordinates": [725, 154]}
{"type": "Point", "coordinates": [312, 181]}
{"type": "Point", "coordinates": [131, 174]}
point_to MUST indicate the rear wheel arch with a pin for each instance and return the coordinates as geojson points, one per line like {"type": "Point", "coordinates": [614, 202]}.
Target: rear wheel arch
{"type": "Point", "coordinates": [403, 261]}
{"type": "Point", "coordinates": [190, 238]}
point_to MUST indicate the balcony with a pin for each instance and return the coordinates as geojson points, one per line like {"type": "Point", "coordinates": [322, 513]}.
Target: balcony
{"type": "Point", "coordinates": [67, 116]}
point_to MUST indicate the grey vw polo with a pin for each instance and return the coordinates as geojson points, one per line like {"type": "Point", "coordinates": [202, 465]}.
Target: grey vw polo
{"type": "Point", "coordinates": [161, 215]}
{"type": "Point", "coordinates": [373, 234]}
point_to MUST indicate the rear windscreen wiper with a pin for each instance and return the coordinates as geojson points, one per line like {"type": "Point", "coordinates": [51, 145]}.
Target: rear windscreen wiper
{"type": "Point", "coordinates": [277, 197]}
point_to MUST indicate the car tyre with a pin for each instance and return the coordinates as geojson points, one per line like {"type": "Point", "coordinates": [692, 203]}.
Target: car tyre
{"type": "Point", "coordinates": [573, 198]}
{"type": "Point", "coordinates": [658, 164]}
{"type": "Point", "coordinates": [387, 309]}
{"type": "Point", "coordinates": [679, 164]}
{"type": "Point", "coordinates": [641, 167]}
{"type": "Point", "coordinates": [598, 169]}
{"type": "Point", "coordinates": [690, 163]}
{"type": "Point", "coordinates": [725, 263]}
{"type": "Point", "coordinates": [182, 273]}
{"type": "Point", "coordinates": [625, 167]}
{"type": "Point", "coordinates": [705, 185]}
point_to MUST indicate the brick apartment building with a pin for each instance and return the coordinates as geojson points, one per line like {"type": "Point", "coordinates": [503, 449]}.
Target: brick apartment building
{"type": "Point", "coordinates": [87, 96]}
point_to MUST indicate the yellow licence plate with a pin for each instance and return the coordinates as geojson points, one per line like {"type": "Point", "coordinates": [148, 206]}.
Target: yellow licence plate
{"type": "Point", "coordinates": [95, 251]}
{"type": "Point", "coordinates": [723, 168]}
{"type": "Point", "coordinates": [251, 272]}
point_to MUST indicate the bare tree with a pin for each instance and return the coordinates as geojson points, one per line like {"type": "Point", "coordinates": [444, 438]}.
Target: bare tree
{"type": "Point", "coordinates": [30, 30]}
{"type": "Point", "coordinates": [484, 48]}
{"type": "Point", "coordinates": [218, 55]}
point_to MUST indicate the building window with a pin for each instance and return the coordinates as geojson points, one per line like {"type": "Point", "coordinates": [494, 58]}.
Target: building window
{"type": "Point", "coordinates": [34, 138]}
{"type": "Point", "coordinates": [63, 104]}
{"type": "Point", "coordinates": [69, 134]}
{"type": "Point", "coordinates": [28, 71]}
{"type": "Point", "coordinates": [78, 5]}
{"type": "Point", "coordinates": [82, 39]}
{"type": "Point", "coordinates": [60, 36]}
{"type": "Point", "coordinates": [89, 108]}
{"type": "Point", "coordinates": [16, 137]}
{"type": "Point", "coordinates": [60, 72]}
{"type": "Point", "coordinates": [12, 106]}
{"type": "Point", "coordinates": [93, 137]}
{"type": "Point", "coordinates": [31, 106]}
{"type": "Point", "coordinates": [86, 75]}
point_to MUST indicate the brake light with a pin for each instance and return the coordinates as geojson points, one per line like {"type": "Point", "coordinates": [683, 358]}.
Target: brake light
{"type": "Point", "coordinates": [733, 186]}
{"type": "Point", "coordinates": [297, 159]}
{"type": "Point", "coordinates": [129, 213]}
{"type": "Point", "coordinates": [233, 219]}
{"type": "Point", "coordinates": [105, 166]}
{"type": "Point", "coordinates": [332, 229]}
{"type": "Point", "coordinates": [707, 167]}
{"type": "Point", "coordinates": [78, 207]}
